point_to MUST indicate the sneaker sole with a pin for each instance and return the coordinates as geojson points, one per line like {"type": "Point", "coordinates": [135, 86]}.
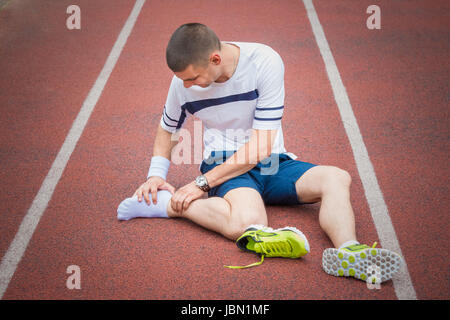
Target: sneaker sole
{"type": "Point", "coordinates": [371, 265]}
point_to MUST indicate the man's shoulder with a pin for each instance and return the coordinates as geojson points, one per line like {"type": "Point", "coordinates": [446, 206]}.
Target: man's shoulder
{"type": "Point", "coordinates": [176, 88]}
{"type": "Point", "coordinates": [265, 60]}
{"type": "Point", "coordinates": [254, 48]}
{"type": "Point", "coordinates": [176, 83]}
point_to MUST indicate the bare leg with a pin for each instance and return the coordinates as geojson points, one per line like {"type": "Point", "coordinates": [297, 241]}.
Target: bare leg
{"type": "Point", "coordinates": [331, 186]}
{"type": "Point", "coordinates": [229, 215]}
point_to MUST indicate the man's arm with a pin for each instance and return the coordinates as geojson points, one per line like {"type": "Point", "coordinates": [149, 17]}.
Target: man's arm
{"type": "Point", "coordinates": [163, 143]}
{"type": "Point", "coordinates": [256, 149]}
{"type": "Point", "coordinates": [244, 159]}
{"type": "Point", "coordinates": [162, 147]}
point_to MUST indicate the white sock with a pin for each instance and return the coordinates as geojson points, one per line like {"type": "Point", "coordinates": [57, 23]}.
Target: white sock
{"type": "Point", "coordinates": [131, 208]}
{"type": "Point", "coordinates": [348, 243]}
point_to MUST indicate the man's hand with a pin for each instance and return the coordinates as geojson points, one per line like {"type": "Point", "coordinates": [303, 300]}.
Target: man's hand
{"type": "Point", "coordinates": [184, 196]}
{"type": "Point", "coordinates": [152, 185]}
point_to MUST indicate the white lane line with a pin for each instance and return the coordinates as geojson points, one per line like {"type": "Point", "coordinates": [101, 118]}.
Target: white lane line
{"type": "Point", "coordinates": [404, 288]}
{"type": "Point", "coordinates": [30, 221]}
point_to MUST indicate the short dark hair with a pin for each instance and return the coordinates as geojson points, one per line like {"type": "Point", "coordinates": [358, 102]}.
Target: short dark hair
{"type": "Point", "coordinates": [191, 43]}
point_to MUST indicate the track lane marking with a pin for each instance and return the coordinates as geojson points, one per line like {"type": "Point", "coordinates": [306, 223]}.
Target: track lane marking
{"type": "Point", "coordinates": [29, 223]}
{"type": "Point", "coordinates": [403, 286]}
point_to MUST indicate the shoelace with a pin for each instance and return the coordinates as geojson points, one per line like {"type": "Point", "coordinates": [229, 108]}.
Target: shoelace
{"type": "Point", "coordinates": [275, 247]}
{"type": "Point", "coordinates": [247, 266]}
{"type": "Point", "coordinates": [266, 248]}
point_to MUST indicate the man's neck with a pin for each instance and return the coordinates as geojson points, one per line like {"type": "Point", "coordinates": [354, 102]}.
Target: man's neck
{"type": "Point", "coordinates": [231, 59]}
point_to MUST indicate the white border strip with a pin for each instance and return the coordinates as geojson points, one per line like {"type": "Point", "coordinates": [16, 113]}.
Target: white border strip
{"type": "Point", "coordinates": [404, 288]}
{"type": "Point", "coordinates": [18, 246]}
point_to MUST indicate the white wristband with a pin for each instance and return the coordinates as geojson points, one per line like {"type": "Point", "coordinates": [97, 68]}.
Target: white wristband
{"type": "Point", "coordinates": [159, 166]}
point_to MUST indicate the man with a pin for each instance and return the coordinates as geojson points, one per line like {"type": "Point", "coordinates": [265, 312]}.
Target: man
{"type": "Point", "coordinates": [236, 86]}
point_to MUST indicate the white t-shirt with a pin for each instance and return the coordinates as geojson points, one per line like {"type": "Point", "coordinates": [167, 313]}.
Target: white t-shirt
{"type": "Point", "coordinates": [252, 98]}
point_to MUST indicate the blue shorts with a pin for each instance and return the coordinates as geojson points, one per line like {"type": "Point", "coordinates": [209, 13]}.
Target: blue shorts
{"type": "Point", "coordinates": [274, 178]}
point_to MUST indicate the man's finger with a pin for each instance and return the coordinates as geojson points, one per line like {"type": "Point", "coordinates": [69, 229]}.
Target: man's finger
{"type": "Point", "coordinates": [139, 194]}
{"type": "Point", "coordinates": [145, 191]}
{"type": "Point", "coordinates": [186, 203]}
{"type": "Point", "coordinates": [175, 201]}
{"type": "Point", "coordinates": [180, 203]}
{"type": "Point", "coordinates": [177, 206]}
{"type": "Point", "coordinates": [154, 191]}
{"type": "Point", "coordinates": [173, 204]}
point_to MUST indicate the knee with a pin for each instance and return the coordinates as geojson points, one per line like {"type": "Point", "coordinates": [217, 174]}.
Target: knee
{"type": "Point", "coordinates": [237, 227]}
{"type": "Point", "coordinates": [233, 232]}
{"type": "Point", "coordinates": [335, 178]}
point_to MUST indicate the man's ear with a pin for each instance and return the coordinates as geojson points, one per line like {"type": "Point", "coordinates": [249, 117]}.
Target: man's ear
{"type": "Point", "coordinates": [215, 58]}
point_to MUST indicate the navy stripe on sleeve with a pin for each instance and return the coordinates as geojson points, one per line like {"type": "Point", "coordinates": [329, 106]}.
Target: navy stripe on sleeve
{"type": "Point", "coordinates": [269, 109]}
{"type": "Point", "coordinates": [267, 119]}
{"type": "Point", "coordinates": [165, 113]}
{"type": "Point", "coordinates": [169, 124]}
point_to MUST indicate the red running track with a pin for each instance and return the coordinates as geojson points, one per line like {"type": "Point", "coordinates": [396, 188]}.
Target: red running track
{"type": "Point", "coordinates": [396, 79]}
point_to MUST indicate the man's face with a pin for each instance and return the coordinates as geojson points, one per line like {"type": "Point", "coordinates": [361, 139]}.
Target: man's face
{"type": "Point", "coordinates": [200, 76]}
{"type": "Point", "coordinates": [197, 76]}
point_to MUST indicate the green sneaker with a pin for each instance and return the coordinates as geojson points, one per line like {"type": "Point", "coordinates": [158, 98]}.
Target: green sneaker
{"type": "Point", "coordinates": [286, 242]}
{"type": "Point", "coordinates": [370, 264]}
